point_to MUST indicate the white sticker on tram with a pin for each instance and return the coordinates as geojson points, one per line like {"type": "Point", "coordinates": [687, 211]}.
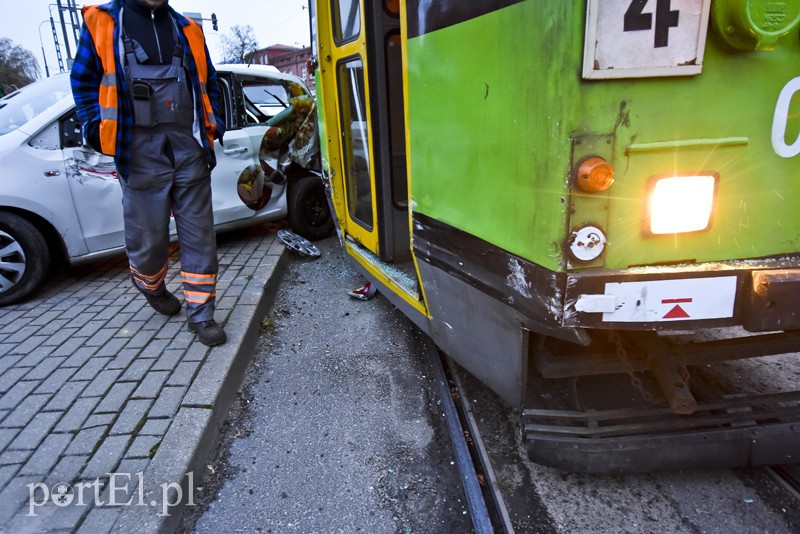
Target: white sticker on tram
{"type": "Point", "coordinates": [780, 122]}
{"type": "Point", "coordinates": [672, 300]}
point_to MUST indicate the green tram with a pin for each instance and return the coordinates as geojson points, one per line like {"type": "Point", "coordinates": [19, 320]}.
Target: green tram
{"type": "Point", "coordinates": [584, 203]}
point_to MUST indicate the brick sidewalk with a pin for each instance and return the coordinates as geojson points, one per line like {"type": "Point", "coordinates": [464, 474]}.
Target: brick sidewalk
{"type": "Point", "coordinates": [93, 382]}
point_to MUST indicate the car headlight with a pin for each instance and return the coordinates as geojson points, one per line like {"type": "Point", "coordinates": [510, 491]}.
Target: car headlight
{"type": "Point", "coordinates": [681, 204]}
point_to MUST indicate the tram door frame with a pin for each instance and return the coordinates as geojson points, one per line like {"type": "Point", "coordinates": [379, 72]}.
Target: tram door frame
{"type": "Point", "coordinates": [367, 62]}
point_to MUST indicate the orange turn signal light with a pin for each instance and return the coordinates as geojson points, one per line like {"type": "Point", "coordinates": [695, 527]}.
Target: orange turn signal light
{"type": "Point", "coordinates": [594, 174]}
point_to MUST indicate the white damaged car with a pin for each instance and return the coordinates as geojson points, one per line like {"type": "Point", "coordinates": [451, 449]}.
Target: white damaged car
{"type": "Point", "coordinates": [60, 201]}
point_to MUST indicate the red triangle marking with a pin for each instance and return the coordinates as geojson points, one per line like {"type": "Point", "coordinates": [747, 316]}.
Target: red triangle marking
{"type": "Point", "coordinates": [676, 313]}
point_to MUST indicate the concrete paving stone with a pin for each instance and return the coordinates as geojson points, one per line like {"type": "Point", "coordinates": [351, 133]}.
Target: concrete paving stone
{"type": "Point", "coordinates": [68, 470]}
{"type": "Point", "coordinates": [22, 333]}
{"type": "Point", "coordinates": [7, 361]}
{"type": "Point", "coordinates": [120, 320]}
{"type": "Point", "coordinates": [132, 417]}
{"type": "Point", "coordinates": [49, 517]}
{"type": "Point", "coordinates": [40, 317]}
{"type": "Point", "coordinates": [69, 346]}
{"type": "Point", "coordinates": [92, 368]}
{"type": "Point", "coordinates": [7, 435]}
{"type": "Point", "coordinates": [168, 331]}
{"type": "Point", "coordinates": [100, 337]}
{"type": "Point", "coordinates": [79, 357]}
{"type": "Point", "coordinates": [9, 378]}
{"type": "Point", "coordinates": [12, 316]}
{"type": "Point", "coordinates": [140, 339]}
{"type": "Point", "coordinates": [129, 329]}
{"type": "Point", "coordinates": [7, 473]}
{"type": "Point", "coordinates": [182, 340]}
{"type": "Point", "coordinates": [109, 310]}
{"type": "Point", "coordinates": [15, 457]}
{"type": "Point", "coordinates": [151, 385]}
{"type": "Point", "coordinates": [114, 347]}
{"type": "Point", "coordinates": [16, 397]}
{"type": "Point", "coordinates": [146, 314]}
{"type": "Point", "coordinates": [66, 395]}
{"type": "Point", "coordinates": [99, 520]}
{"type": "Point", "coordinates": [76, 310]}
{"type": "Point", "coordinates": [103, 382]}
{"type": "Point", "coordinates": [156, 321]}
{"type": "Point", "coordinates": [14, 496]}
{"type": "Point", "coordinates": [81, 321]}
{"type": "Point", "coordinates": [33, 434]}
{"type": "Point", "coordinates": [59, 337]}
{"type": "Point", "coordinates": [106, 458]}
{"type": "Point", "coordinates": [28, 346]}
{"type": "Point", "coordinates": [76, 416]}
{"type": "Point", "coordinates": [5, 348]}
{"type": "Point", "coordinates": [99, 420]}
{"type": "Point", "coordinates": [168, 401]}
{"type": "Point", "coordinates": [137, 370]}
{"type": "Point", "coordinates": [226, 304]}
{"type": "Point", "coordinates": [34, 357]}
{"type": "Point", "coordinates": [3, 414]}
{"type": "Point", "coordinates": [25, 410]}
{"type": "Point", "coordinates": [183, 374]}
{"type": "Point", "coordinates": [155, 348]}
{"type": "Point", "coordinates": [154, 427]}
{"type": "Point", "coordinates": [55, 380]}
{"type": "Point", "coordinates": [142, 446]}
{"type": "Point", "coordinates": [86, 441]}
{"type": "Point", "coordinates": [116, 397]}
{"type": "Point", "coordinates": [168, 360]}
{"type": "Point", "coordinates": [46, 455]}
{"type": "Point", "coordinates": [93, 329]}
{"type": "Point", "coordinates": [196, 352]}
{"type": "Point", "coordinates": [45, 368]}
{"type": "Point", "coordinates": [52, 327]}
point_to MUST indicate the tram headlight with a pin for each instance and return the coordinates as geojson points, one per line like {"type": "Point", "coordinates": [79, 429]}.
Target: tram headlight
{"type": "Point", "coordinates": [681, 204]}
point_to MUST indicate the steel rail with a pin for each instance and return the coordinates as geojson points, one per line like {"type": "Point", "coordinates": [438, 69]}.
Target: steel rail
{"type": "Point", "coordinates": [480, 451]}
{"type": "Point", "coordinates": [476, 504]}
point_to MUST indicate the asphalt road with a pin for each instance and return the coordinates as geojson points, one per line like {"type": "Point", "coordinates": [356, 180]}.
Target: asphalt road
{"type": "Point", "coordinates": [337, 428]}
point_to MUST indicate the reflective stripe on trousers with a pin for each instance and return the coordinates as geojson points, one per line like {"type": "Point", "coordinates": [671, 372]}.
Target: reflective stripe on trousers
{"type": "Point", "coordinates": [169, 172]}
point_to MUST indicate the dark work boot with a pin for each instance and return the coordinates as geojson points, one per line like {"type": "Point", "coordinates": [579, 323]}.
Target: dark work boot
{"type": "Point", "coordinates": [165, 303]}
{"type": "Point", "coordinates": [210, 333]}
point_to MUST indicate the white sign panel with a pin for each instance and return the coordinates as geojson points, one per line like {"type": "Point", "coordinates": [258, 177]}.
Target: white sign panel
{"type": "Point", "coordinates": [641, 38]}
{"type": "Point", "coordinates": [672, 300]}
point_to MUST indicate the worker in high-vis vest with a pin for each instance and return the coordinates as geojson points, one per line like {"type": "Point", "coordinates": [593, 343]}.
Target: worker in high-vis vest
{"type": "Point", "coordinates": [146, 93]}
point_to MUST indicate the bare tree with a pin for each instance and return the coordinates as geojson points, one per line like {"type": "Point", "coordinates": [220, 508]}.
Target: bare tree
{"type": "Point", "coordinates": [18, 67]}
{"type": "Point", "coordinates": [239, 46]}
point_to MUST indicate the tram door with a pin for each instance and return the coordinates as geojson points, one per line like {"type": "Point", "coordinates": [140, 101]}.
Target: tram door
{"type": "Point", "coordinates": [367, 60]}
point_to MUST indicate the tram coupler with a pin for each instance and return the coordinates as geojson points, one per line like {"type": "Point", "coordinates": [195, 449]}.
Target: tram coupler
{"type": "Point", "coordinates": [661, 361]}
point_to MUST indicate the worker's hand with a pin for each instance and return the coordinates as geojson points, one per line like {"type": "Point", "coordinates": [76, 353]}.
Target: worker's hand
{"type": "Point", "coordinates": [92, 132]}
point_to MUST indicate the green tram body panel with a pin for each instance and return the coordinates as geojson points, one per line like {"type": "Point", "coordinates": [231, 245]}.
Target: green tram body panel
{"type": "Point", "coordinates": [496, 105]}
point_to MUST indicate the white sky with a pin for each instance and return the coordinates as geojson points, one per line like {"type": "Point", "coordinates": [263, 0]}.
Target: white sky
{"type": "Point", "coordinates": [273, 22]}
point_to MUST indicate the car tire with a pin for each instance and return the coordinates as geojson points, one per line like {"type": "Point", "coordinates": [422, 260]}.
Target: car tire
{"type": "Point", "coordinates": [309, 213]}
{"type": "Point", "coordinates": [24, 258]}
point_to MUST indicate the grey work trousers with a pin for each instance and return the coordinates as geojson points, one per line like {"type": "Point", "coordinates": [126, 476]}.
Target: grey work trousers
{"type": "Point", "coordinates": [169, 173]}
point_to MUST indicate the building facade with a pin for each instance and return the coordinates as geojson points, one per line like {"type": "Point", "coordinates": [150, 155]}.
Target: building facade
{"type": "Point", "coordinates": [288, 59]}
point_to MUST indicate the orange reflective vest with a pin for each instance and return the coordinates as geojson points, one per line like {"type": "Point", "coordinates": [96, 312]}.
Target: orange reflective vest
{"type": "Point", "coordinates": [101, 26]}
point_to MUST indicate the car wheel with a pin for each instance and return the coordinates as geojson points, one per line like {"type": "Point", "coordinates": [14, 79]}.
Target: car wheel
{"type": "Point", "coordinates": [24, 258]}
{"type": "Point", "coordinates": [309, 214]}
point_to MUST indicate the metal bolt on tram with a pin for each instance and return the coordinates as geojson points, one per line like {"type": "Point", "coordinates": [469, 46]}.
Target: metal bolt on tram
{"type": "Point", "coordinates": [584, 204]}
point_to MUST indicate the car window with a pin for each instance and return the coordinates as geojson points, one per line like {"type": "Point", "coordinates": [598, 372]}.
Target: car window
{"type": "Point", "coordinates": [264, 99]}
{"type": "Point", "coordinates": [22, 106]}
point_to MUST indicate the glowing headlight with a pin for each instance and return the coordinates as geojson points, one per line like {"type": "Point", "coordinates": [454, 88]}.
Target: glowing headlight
{"type": "Point", "coordinates": [681, 204]}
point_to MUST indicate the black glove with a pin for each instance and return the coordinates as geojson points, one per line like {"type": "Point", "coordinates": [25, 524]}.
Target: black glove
{"type": "Point", "coordinates": [218, 133]}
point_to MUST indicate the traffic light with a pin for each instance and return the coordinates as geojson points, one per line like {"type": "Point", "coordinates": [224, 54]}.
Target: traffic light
{"type": "Point", "coordinates": [214, 21]}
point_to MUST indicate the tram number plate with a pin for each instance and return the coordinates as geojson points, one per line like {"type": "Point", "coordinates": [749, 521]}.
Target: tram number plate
{"type": "Point", "coordinates": [640, 38]}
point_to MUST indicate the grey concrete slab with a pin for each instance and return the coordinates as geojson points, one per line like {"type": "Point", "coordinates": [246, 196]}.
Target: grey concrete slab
{"type": "Point", "coordinates": [96, 387]}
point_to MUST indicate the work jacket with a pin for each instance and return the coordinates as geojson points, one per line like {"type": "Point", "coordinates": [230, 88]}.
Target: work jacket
{"type": "Point", "coordinates": [100, 88]}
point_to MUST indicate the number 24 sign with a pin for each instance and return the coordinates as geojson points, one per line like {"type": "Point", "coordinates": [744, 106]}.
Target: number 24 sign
{"type": "Point", "coordinates": [642, 38]}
